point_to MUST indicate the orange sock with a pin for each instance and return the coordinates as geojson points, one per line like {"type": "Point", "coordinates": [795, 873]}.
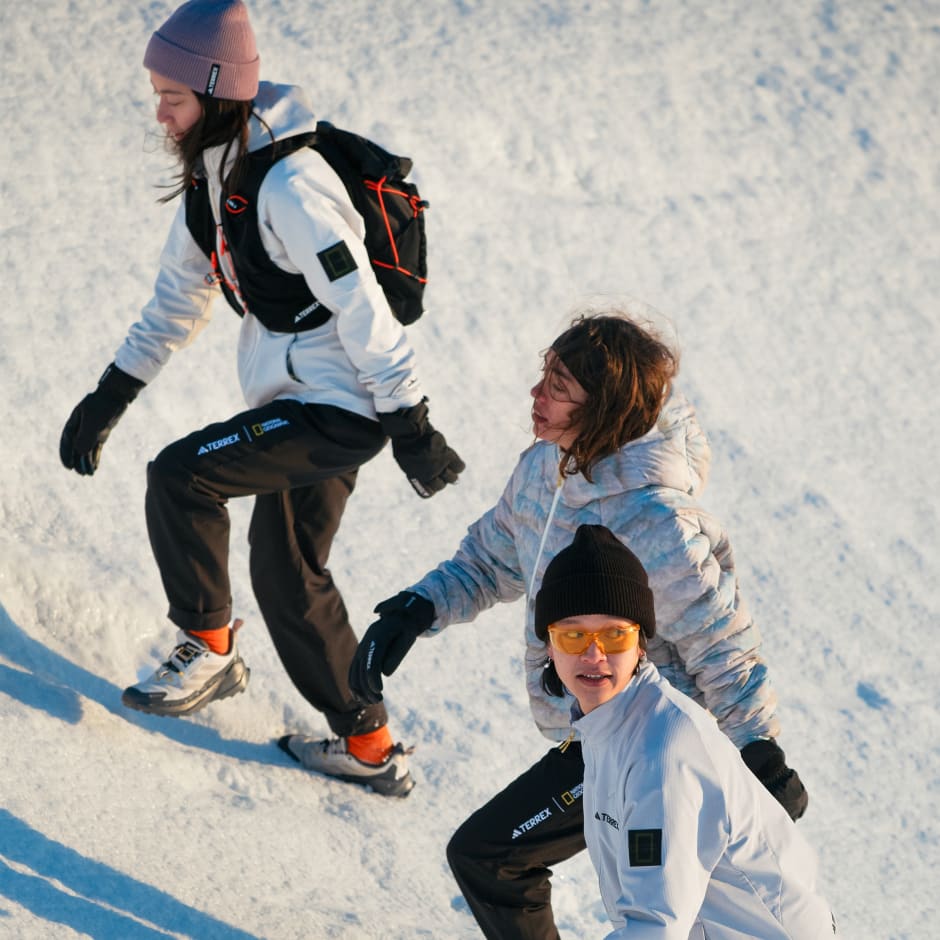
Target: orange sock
{"type": "Point", "coordinates": [218, 640]}
{"type": "Point", "coordinates": [371, 748]}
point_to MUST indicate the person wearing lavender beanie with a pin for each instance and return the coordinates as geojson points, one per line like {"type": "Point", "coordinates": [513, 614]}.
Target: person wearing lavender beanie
{"type": "Point", "coordinates": [325, 368]}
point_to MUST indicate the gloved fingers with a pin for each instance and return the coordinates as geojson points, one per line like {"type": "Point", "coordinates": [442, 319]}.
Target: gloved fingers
{"type": "Point", "coordinates": [87, 464]}
{"type": "Point", "coordinates": [394, 653]}
{"type": "Point", "coordinates": [67, 440]}
{"type": "Point", "coordinates": [425, 489]}
{"type": "Point", "coordinates": [371, 691]}
{"type": "Point", "coordinates": [359, 678]}
{"type": "Point", "coordinates": [792, 795]}
{"type": "Point", "coordinates": [66, 455]}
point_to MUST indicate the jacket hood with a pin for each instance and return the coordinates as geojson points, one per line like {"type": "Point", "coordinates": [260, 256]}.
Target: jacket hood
{"type": "Point", "coordinates": [675, 453]}
{"type": "Point", "coordinates": [281, 111]}
{"type": "Point", "coordinates": [278, 111]}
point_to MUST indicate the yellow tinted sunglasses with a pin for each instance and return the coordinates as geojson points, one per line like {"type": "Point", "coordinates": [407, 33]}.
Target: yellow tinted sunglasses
{"type": "Point", "coordinates": [611, 640]}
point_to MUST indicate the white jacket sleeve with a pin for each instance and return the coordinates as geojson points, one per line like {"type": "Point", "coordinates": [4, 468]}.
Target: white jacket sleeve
{"type": "Point", "coordinates": [300, 218]}
{"type": "Point", "coordinates": [675, 790]}
{"type": "Point", "coordinates": [181, 305]}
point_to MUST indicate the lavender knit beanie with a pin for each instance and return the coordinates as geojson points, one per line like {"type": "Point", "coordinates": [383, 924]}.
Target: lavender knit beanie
{"type": "Point", "coordinates": [208, 45]}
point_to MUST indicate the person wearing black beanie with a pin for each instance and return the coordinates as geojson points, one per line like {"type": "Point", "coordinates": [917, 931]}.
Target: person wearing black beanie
{"type": "Point", "coordinates": [616, 443]}
{"type": "Point", "coordinates": [681, 834]}
{"type": "Point", "coordinates": [599, 576]}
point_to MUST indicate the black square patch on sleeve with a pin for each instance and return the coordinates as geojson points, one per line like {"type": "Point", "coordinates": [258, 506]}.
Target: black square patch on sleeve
{"type": "Point", "coordinates": [646, 847]}
{"type": "Point", "coordinates": [337, 261]}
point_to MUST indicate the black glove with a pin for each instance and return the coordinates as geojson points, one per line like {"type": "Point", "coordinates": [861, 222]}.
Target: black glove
{"type": "Point", "coordinates": [421, 451]}
{"type": "Point", "coordinates": [768, 763]}
{"type": "Point", "coordinates": [95, 415]}
{"type": "Point", "coordinates": [402, 619]}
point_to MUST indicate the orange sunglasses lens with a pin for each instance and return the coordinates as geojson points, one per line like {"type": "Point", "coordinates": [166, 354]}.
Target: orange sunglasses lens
{"type": "Point", "coordinates": [612, 640]}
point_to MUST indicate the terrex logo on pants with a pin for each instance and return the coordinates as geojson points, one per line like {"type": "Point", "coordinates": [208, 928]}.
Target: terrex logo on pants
{"type": "Point", "coordinates": [531, 823]}
{"type": "Point", "coordinates": [258, 429]}
{"type": "Point", "coordinates": [217, 445]}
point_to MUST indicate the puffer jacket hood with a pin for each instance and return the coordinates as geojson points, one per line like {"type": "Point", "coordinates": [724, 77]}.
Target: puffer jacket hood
{"type": "Point", "coordinates": [647, 495]}
{"type": "Point", "coordinates": [674, 454]}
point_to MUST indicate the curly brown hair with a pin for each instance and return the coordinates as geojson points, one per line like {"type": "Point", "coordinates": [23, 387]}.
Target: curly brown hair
{"type": "Point", "coordinates": [627, 371]}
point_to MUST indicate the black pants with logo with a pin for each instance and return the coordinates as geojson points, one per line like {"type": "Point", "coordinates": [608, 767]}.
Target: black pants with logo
{"type": "Point", "coordinates": [501, 855]}
{"type": "Point", "coordinates": [300, 463]}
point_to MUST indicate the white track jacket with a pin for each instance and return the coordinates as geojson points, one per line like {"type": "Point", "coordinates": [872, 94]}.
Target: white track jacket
{"type": "Point", "coordinates": [359, 360]}
{"type": "Point", "coordinates": [686, 842]}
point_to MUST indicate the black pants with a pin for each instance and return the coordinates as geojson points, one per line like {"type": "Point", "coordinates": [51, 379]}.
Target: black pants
{"type": "Point", "coordinates": [501, 855]}
{"type": "Point", "coordinates": [300, 462]}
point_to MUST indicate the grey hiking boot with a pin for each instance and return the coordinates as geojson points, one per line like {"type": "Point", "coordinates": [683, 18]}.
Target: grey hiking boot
{"type": "Point", "coordinates": [191, 677]}
{"type": "Point", "coordinates": [329, 756]}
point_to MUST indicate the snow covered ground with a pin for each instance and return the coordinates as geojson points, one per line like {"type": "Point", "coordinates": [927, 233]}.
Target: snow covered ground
{"type": "Point", "coordinates": [764, 175]}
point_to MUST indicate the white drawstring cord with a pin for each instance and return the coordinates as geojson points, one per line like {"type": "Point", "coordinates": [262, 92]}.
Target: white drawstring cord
{"type": "Point", "coordinates": [548, 523]}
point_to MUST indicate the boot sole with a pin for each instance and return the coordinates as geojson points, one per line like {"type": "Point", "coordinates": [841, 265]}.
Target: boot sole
{"type": "Point", "coordinates": [226, 684]}
{"type": "Point", "coordinates": [385, 784]}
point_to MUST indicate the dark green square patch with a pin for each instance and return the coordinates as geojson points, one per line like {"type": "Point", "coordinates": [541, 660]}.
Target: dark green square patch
{"type": "Point", "coordinates": [646, 847]}
{"type": "Point", "coordinates": [337, 261]}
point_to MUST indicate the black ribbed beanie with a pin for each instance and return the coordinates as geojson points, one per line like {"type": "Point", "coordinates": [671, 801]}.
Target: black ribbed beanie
{"type": "Point", "coordinates": [595, 574]}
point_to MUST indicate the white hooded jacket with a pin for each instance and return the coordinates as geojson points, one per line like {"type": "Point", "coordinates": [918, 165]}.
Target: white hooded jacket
{"type": "Point", "coordinates": [359, 360]}
{"type": "Point", "coordinates": [685, 840]}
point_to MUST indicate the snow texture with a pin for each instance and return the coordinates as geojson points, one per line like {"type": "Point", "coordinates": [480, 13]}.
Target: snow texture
{"type": "Point", "coordinates": [762, 179]}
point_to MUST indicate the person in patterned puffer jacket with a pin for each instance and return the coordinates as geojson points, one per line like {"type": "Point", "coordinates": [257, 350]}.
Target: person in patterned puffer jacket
{"type": "Point", "coordinates": [617, 445]}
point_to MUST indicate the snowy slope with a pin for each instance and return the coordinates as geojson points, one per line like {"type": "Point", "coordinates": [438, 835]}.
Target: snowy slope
{"type": "Point", "coordinates": [764, 176]}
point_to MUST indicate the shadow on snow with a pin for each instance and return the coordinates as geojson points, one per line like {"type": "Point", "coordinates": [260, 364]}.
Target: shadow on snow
{"type": "Point", "coordinates": [63, 886]}
{"type": "Point", "coordinates": [51, 683]}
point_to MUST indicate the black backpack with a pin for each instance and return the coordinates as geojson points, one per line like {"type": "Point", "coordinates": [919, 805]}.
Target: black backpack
{"type": "Point", "coordinates": [391, 207]}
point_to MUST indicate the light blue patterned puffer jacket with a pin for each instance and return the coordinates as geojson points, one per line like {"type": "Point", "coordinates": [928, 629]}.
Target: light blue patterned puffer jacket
{"type": "Point", "coordinates": [706, 643]}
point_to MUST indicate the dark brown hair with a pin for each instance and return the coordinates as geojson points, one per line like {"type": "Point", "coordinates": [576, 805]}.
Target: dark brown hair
{"type": "Point", "coordinates": [627, 372]}
{"type": "Point", "coordinates": [221, 122]}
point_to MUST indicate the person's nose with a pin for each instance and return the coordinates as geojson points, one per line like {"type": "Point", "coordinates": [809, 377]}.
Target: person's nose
{"type": "Point", "coordinates": [537, 389]}
{"type": "Point", "coordinates": [162, 113]}
{"type": "Point", "coordinates": [594, 654]}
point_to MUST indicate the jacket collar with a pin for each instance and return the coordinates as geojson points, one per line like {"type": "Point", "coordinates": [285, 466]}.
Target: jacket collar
{"type": "Point", "coordinates": [606, 721]}
{"type": "Point", "coordinates": [278, 111]}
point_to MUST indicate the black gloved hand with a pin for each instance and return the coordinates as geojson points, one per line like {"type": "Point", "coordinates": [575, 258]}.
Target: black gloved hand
{"type": "Point", "coordinates": [402, 619]}
{"type": "Point", "coordinates": [94, 417]}
{"type": "Point", "coordinates": [421, 451]}
{"type": "Point", "coordinates": [767, 762]}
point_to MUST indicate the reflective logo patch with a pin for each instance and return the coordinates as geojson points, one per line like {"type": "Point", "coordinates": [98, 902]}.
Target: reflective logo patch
{"type": "Point", "coordinates": [236, 204]}
{"type": "Point", "coordinates": [646, 847]}
{"type": "Point", "coordinates": [337, 261]}
{"type": "Point", "coordinates": [213, 78]}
